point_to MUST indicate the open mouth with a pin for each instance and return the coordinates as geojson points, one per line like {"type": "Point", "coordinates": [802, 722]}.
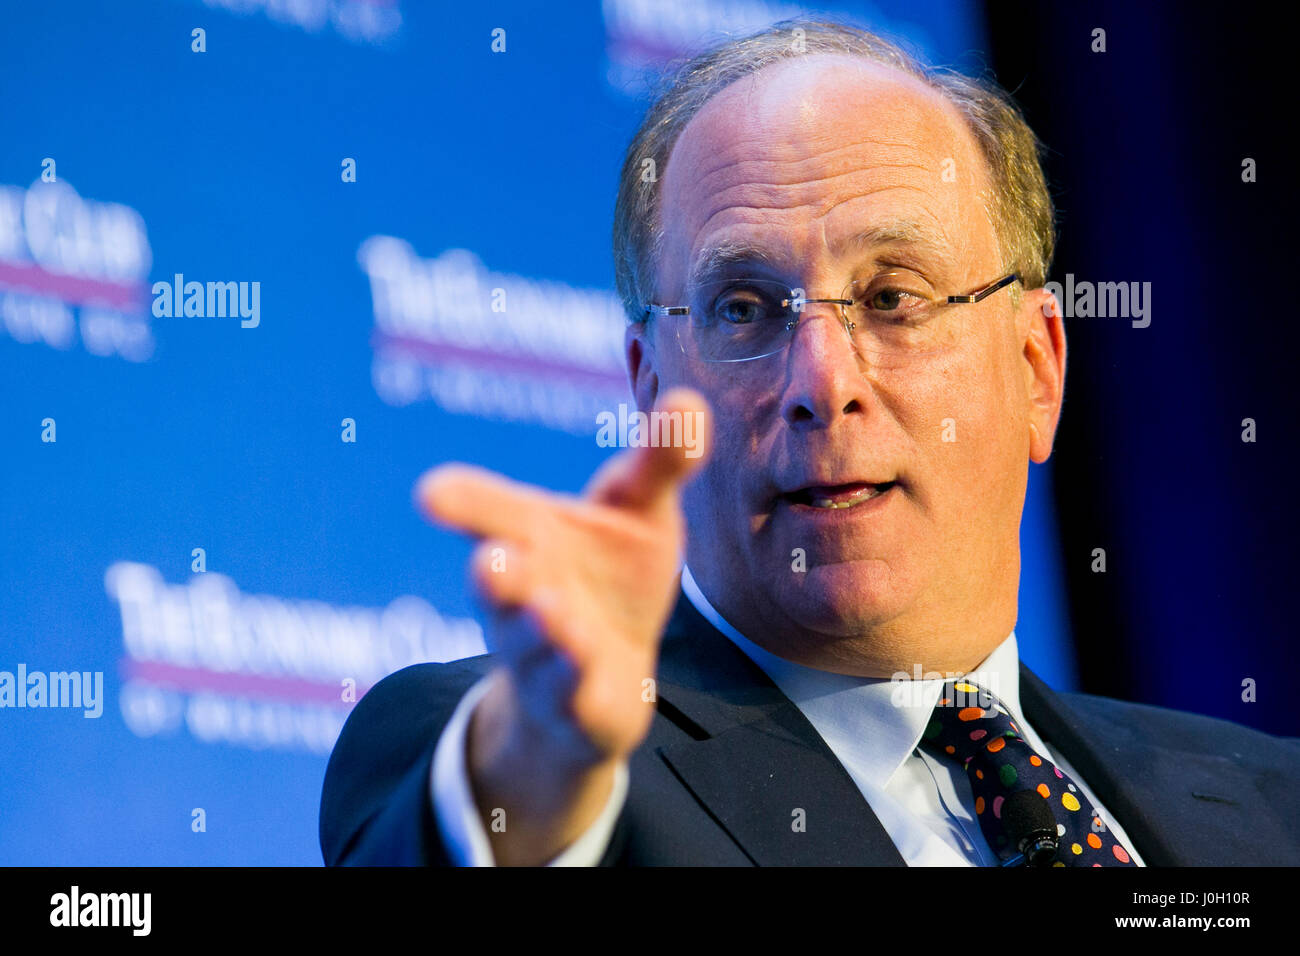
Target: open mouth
{"type": "Point", "coordinates": [833, 497]}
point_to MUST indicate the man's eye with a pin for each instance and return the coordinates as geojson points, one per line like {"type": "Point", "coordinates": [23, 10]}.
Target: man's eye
{"type": "Point", "coordinates": [741, 309]}
{"type": "Point", "coordinates": [896, 305]}
{"type": "Point", "coordinates": [890, 300]}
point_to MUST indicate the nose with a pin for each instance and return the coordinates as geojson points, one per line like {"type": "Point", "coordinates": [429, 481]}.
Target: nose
{"type": "Point", "coordinates": [825, 374]}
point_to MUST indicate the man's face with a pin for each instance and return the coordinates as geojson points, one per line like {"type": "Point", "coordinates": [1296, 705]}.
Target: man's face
{"type": "Point", "coordinates": [798, 161]}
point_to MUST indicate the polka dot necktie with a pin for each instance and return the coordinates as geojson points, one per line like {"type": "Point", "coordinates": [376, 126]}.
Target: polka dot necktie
{"type": "Point", "coordinates": [972, 727]}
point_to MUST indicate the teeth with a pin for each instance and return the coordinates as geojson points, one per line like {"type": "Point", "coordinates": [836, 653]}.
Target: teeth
{"type": "Point", "coordinates": [828, 503]}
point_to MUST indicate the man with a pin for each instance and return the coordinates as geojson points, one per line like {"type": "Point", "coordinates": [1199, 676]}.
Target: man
{"type": "Point", "coordinates": [835, 262]}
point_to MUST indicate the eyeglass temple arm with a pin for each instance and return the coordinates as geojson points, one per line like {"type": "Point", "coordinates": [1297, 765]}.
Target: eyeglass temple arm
{"type": "Point", "coordinates": [802, 302]}
{"type": "Point", "coordinates": [984, 293]}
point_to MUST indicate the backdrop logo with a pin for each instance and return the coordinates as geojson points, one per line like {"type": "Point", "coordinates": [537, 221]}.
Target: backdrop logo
{"type": "Point", "coordinates": [361, 21]}
{"type": "Point", "coordinates": [642, 37]}
{"type": "Point", "coordinates": [260, 671]}
{"type": "Point", "coordinates": [491, 344]}
{"type": "Point", "coordinates": [73, 267]}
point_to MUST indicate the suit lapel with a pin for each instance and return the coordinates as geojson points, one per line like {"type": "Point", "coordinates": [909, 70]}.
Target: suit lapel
{"type": "Point", "coordinates": [1179, 808]}
{"type": "Point", "coordinates": [754, 760]}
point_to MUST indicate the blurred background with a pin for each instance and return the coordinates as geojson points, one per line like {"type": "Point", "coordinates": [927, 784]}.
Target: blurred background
{"type": "Point", "coordinates": [214, 512]}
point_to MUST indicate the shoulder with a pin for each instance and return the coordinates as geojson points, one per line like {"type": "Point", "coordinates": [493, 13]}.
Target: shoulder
{"type": "Point", "coordinates": [408, 704]}
{"type": "Point", "coordinates": [387, 743]}
{"type": "Point", "coordinates": [429, 684]}
{"type": "Point", "coordinates": [1165, 728]}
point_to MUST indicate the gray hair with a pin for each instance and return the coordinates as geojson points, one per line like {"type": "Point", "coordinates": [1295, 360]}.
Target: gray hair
{"type": "Point", "coordinates": [1019, 207]}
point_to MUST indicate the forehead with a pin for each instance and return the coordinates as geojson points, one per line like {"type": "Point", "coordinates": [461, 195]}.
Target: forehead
{"type": "Point", "coordinates": [807, 155]}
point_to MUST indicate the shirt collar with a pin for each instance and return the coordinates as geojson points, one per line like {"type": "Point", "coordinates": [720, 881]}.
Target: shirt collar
{"type": "Point", "coordinates": [873, 722]}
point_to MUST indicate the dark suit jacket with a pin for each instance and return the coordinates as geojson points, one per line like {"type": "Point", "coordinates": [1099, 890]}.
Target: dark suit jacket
{"type": "Point", "coordinates": [729, 757]}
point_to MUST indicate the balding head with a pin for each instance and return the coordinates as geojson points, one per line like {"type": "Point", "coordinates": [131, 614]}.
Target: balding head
{"type": "Point", "coordinates": [815, 142]}
{"type": "Point", "coordinates": [1020, 206]}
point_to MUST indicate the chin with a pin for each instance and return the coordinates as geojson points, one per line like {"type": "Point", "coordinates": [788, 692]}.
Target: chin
{"type": "Point", "coordinates": [842, 599]}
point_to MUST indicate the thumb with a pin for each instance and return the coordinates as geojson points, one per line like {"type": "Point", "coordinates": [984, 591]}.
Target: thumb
{"type": "Point", "coordinates": [672, 444]}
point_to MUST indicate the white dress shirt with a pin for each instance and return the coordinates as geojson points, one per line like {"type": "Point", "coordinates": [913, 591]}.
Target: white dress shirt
{"type": "Point", "coordinates": [872, 725]}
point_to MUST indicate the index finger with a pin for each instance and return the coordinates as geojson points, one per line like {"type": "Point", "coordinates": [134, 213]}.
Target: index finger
{"type": "Point", "coordinates": [478, 501]}
{"type": "Point", "coordinates": [647, 478]}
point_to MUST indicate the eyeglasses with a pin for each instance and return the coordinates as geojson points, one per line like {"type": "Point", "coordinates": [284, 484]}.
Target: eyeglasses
{"type": "Point", "coordinates": [894, 316]}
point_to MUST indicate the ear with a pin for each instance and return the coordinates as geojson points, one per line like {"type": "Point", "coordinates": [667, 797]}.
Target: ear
{"type": "Point", "coordinates": [1044, 352]}
{"type": "Point", "coordinates": [638, 349]}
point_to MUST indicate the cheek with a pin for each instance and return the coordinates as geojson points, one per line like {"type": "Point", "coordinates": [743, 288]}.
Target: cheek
{"type": "Point", "coordinates": [962, 416]}
{"type": "Point", "coordinates": [740, 411]}
{"type": "Point", "coordinates": [717, 498]}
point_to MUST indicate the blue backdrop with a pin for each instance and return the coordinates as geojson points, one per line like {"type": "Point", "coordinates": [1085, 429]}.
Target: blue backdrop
{"type": "Point", "coordinates": [183, 511]}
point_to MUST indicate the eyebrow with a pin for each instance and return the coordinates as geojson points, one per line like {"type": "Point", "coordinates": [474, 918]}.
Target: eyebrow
{"type": "Point", "coordinates": [713, 259]}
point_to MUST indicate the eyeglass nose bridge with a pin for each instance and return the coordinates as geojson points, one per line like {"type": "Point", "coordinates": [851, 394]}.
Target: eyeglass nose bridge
{"type": "Point", "coordinates": [796, 305]}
